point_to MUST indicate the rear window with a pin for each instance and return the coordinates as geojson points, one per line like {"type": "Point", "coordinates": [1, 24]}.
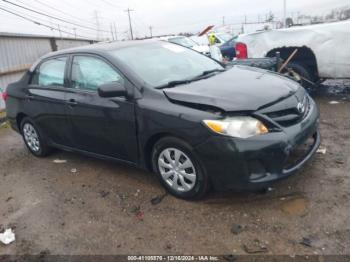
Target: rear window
{"type": "Point", "coordinates": [50, 72]}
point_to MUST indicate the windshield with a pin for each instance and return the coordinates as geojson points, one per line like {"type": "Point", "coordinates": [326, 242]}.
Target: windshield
{"type": "Point", "coordinates": [184, 41]}
{"type": "Point", "coordinates": [224, 37]}
{"type": "Point", "coordinates": [159, 63]}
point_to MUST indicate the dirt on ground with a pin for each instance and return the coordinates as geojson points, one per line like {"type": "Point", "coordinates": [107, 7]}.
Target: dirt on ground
{"type": "Point", "coordinates": [88, 206]}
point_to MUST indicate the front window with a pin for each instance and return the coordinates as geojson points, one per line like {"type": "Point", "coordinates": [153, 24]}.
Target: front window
{"type": "Point", "coordinates": [90, 72]}
{"type": "Point", "coordinates": [160, 63]}
{"type": "Point", "coordinates": [184, 41]}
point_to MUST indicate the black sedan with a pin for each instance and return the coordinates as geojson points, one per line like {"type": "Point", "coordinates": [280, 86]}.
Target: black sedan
{"type": "Point", "coordinates": [168, 109]}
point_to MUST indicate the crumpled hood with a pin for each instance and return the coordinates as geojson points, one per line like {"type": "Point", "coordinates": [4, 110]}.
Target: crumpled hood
{"type": "Point", "coordinates": [237, 89]}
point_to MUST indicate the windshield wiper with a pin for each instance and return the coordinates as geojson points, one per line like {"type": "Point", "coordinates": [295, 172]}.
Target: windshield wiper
{"type": "Point", "coordinates": [212, 71]}
{"type": "Point", "coordinates": [174, 83]}
{"type": "Point", "coordinates": [206, 74]}
{"type": "Point", "coordinates": [187, 81]}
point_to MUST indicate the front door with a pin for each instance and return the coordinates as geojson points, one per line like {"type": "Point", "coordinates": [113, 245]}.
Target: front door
{"type": "Point", "coordinates": [104, 126]}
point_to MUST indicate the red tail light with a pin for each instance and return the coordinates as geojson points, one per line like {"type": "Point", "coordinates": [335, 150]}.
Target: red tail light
{"type": "Point", "coordinates": [4, 95]}
{"type": "Point", "coordinates": [241, 51]}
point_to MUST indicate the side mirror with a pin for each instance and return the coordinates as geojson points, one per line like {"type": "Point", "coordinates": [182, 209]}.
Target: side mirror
{"type": "Point", "coordinates": [112, 89]}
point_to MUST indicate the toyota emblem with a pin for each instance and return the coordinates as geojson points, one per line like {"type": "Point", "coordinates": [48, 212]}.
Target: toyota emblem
{"type": "Point", "coordinates": [301, 108]}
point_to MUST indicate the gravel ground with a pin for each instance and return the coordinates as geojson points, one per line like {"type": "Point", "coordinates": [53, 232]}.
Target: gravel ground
{"type": "Point", "coordinates": [88, 206]}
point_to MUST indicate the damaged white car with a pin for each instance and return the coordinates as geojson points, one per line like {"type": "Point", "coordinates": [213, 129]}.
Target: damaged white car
{"type": "Point", "coordinates": [323, 50]}
{"type": "Point", "coordinates": [188, 42]}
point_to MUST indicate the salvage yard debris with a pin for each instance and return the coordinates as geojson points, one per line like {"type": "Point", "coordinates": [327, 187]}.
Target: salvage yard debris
{"type": "Point", "coordinates": [255, 247]}
{"type": "Point", "coordinates": [103, 193]}
{"type": "Point", "coordinates": [60, 161]}
{"type": "Point", "coordinates": [236, 229]}
{"type": "Point", "coordinates": [306, 242]}
{"type": "Point", "coordinates": [4, 125]}
{"type": "Point", "coordinates": [135, 209]}
{"type": "Point", "coordinates": [140, 215]}
{"type": "Point", "coordinates": [7, 237]}
{"type": "Point", "coordinates": [333, 102]}
{"type": "Point", "coordinates": [339, 159]}
{"type": "Point", "coordinates": [321, 150]}
{"type": "Point", "coordinates": [157, 199]}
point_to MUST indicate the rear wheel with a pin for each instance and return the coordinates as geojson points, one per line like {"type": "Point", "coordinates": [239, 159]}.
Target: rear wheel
{"type": "Point", "coordinates": [33, 138]}
{"type": "Point", "coordinates": [178, 169]}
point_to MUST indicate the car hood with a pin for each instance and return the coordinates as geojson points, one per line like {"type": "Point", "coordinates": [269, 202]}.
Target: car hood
{"type": "Point", "coordinates": [237, 89]}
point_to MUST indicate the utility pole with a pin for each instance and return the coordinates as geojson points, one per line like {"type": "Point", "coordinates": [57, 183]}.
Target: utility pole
{"type": "Point", "coordinates": [59, 30]}
{"type": "Point", "coordinates": [150, 30]}
{"type": "Point", "coordinates": [130, 26]}
{"type": "Point", "coordinates": [75, 32]}
{"type": "Point", "coordinates": [223, 21]}
{"type": "Point", "coordinates": [284, 13]}
{"type": "Point", "coordinates": [112, 34]}
{"type": "Point", "coordinates": [115, 31]}
{"type": "Point", "coordinates": [97, 25]}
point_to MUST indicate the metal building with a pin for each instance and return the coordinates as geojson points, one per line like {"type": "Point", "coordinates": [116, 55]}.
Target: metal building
{"type": "Point", "coordinates": [19, 51]}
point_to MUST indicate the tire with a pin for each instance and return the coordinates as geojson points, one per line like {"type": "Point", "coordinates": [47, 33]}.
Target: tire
{"type": "Point", "coordinates": [191, 181]}
{"type": "Point", "coordinates": [33, 138]}
{"type": "Point", "coordinates": [303, 71]}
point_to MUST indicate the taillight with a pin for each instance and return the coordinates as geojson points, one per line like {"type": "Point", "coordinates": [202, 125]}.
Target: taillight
{"type": "Point", "coordinates": [4, 95]}
{"type": "Point", "coordinates": [241, 51]}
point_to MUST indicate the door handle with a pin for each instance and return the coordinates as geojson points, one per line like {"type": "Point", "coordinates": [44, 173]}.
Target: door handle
{"type": "Point", "coordinates": [29, 96]}
{"type": "Point", "coordinates": [72, 102]}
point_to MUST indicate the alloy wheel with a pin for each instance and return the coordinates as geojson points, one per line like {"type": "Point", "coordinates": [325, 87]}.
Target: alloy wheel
{"type": "Point", "coordinates": [31, 137]}
{"type": "Point", "coordinates": [177, 169]}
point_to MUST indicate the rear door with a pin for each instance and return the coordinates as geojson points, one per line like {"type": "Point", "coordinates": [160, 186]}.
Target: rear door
{"type": "Point", "coordinates": [104, 126]}
{"type": "Point", "coordinates": [45, 98]}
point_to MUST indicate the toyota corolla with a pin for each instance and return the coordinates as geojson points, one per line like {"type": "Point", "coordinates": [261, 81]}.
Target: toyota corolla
{"type": "Point", "coordinates": [168, 109]}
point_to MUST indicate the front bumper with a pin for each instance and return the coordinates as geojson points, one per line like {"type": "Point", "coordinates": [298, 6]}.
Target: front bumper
{"type": "Point", "coordinates": [254, 163]}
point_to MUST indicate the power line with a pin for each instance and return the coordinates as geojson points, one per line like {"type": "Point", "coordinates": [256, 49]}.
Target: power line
{"type": "Point", "coordinates": [60, 11]}
{"type": "Point", "coordinates": [111, 4]}
{"type": "Point", "coordinates": [40, 19]}
{"type": "Point", "coordinates": [53, 17]}
{"type": "Point", "coordinates": [37, 19]}
{"type": "Point", "coordinates": [38, 23]}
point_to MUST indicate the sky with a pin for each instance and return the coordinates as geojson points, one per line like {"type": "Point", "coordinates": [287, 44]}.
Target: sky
{"type": "Point", "coordinates": [84, 17]}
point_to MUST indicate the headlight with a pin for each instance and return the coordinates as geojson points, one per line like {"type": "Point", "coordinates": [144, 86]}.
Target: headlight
{"type": "Point", "coordinates": [242, 127]}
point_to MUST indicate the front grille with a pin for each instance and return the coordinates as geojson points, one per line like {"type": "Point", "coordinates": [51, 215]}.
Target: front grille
{"type": "Point", "coordinates": [290, 116]}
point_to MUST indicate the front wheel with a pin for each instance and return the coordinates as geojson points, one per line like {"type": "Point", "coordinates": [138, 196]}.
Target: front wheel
{"type": "Point", "coordinates": [178, 169]}
{"type": "Point", "coordinates": [301, 74]}
{"type": "Point", "coordinates": [33, 138]}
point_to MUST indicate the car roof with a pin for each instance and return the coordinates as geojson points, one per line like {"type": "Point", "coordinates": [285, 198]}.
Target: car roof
{"type": "Point", "coordinates": [98, 48]}
{"type": "Point", "coordinates": [103, 47]}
